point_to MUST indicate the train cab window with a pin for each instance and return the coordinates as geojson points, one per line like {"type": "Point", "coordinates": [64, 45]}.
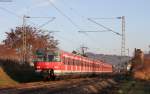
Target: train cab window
{"type": "Point", "coordinates": [39, 54]}
{"type": "Point", "coordinates": [53, 56]}
{"type": "Point", "coordinates": [47, 56]}
{"type": "Point", "coordinates": [50, 57]}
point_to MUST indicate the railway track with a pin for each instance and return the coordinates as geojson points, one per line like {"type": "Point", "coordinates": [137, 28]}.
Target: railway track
{"type": "Point", "coordinates": [69, 86]}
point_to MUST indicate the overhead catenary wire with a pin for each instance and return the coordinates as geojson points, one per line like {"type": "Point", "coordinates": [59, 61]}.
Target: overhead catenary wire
{"type": "Point", "coordinates": [13, 13]}
{"type": "Point", "coordinates": [106, 18]}
{"type": "Point", "coordinates": [66, 16]}
{"type": "Point", "coordinates": [10, 12]}
{"type": "Point", "coordinates": [46, 23]}
{"type": "Point", "coordinates": [63, 14]}
{"type": "Point", "coordinates": [104, 27]}
{"type": "Point", "coordinates": [72, 9]}
{"type": "Point", "coordinates": [20, 17]}
{"type": "Point", "coordinates": [94, 31]}
{"type": "Point", "coordinates": [82, 17]}
{"type": "Point", "coordinates": [71, 19]}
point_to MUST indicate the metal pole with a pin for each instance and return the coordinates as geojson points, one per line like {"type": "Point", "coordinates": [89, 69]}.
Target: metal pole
{"type": "Point", "coordinates": [123, 37]}
{"type": "Point", "coordinates": [24, 52]}
{"type": "Point", "coordinates": [123, 49]}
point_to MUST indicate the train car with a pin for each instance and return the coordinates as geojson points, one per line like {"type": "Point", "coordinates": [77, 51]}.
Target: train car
{"type": "Point", "coordinates": [57, 63]}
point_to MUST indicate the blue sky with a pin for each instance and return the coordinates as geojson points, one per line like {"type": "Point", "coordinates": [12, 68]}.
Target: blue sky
{"type": "Point", "coordinates": [137, 13]}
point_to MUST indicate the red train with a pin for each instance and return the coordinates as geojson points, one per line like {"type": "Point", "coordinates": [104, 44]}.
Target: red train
{"type": "Point", "coordinates": [58, 63]}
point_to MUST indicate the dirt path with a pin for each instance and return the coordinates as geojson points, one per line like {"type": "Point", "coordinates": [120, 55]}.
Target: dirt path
{"type": "Point", "coordinates": [70, 86]}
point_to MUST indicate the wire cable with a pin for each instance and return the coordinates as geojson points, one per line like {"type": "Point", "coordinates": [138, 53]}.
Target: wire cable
{"type": "Point", "coordinates": [10, 12]}
{"type": "Point", "coordinates": [104, 27]}
{"type": "Point", "coordinates": [63, 14]}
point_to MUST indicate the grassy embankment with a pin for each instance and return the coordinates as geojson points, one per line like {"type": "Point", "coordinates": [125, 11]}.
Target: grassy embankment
{"type": "Point", "coordinates": [12, 73]}
{"type": "Point", "coordinates": [6, 80]}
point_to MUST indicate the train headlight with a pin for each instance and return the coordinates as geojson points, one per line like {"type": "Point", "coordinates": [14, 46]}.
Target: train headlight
{"type": "Point", "coordinates": [38, 67]}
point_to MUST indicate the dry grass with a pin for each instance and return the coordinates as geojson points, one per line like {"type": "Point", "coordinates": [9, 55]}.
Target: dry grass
{"type": "Point", "coordinates": [5, 80]}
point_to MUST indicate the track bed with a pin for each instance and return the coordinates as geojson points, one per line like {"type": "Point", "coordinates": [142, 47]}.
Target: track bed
{"type": "Point", "coordinates": [70, 86]}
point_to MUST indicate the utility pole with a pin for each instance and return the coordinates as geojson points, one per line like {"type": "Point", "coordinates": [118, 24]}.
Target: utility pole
{"type": "Point", "coordinates": [123, 43]}
{"type": "Point", "coordinates": [24, 35]}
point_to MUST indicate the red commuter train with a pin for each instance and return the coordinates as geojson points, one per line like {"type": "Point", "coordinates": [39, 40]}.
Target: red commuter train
{"type": "Point", "coordinates": [58, 63]}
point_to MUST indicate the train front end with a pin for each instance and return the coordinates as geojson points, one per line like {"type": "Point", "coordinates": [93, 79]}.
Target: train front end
{"type": "Point", "coordinates": [46, 63]}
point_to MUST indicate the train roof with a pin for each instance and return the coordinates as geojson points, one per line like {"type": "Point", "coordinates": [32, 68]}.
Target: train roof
{"type": "Point", "coordinates": [80, 56]}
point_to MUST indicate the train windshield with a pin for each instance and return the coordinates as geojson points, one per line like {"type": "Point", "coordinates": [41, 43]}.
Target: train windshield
{"type": "Point", "coordinates": [53, 56]}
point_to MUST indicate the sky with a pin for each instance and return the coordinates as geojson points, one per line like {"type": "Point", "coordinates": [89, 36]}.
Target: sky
{"type": "Point", "coordinates": [72, 16]}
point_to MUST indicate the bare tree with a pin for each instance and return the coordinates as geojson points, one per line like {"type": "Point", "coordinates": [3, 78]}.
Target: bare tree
{"type": "Point", "coordinates": [35, 39]}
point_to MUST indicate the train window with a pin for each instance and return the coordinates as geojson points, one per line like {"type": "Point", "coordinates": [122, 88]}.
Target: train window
{"type": "Point", "coordinates": [83, 63]}
{"type": "Point", "coordinates": [75, 63]}
{"type": "Point", "coordinates": [63, 60]}
{"type": "Point", "coordinates": [50, 57]}
{"type": "Point", "coordinates": [69, 61]}
{"type": "Point", "coordinates": [79, 62]}
{"type": "Point", "coordinates": [53, 56]}
{"type": "Point", "coordinates": [72, 61]}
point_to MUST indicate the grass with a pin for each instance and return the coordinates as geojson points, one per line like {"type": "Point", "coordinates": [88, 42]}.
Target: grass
{"type": "Point", "coordinates": [5, 80]}
{"type": "Point", "coordinates": [12, 73]}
